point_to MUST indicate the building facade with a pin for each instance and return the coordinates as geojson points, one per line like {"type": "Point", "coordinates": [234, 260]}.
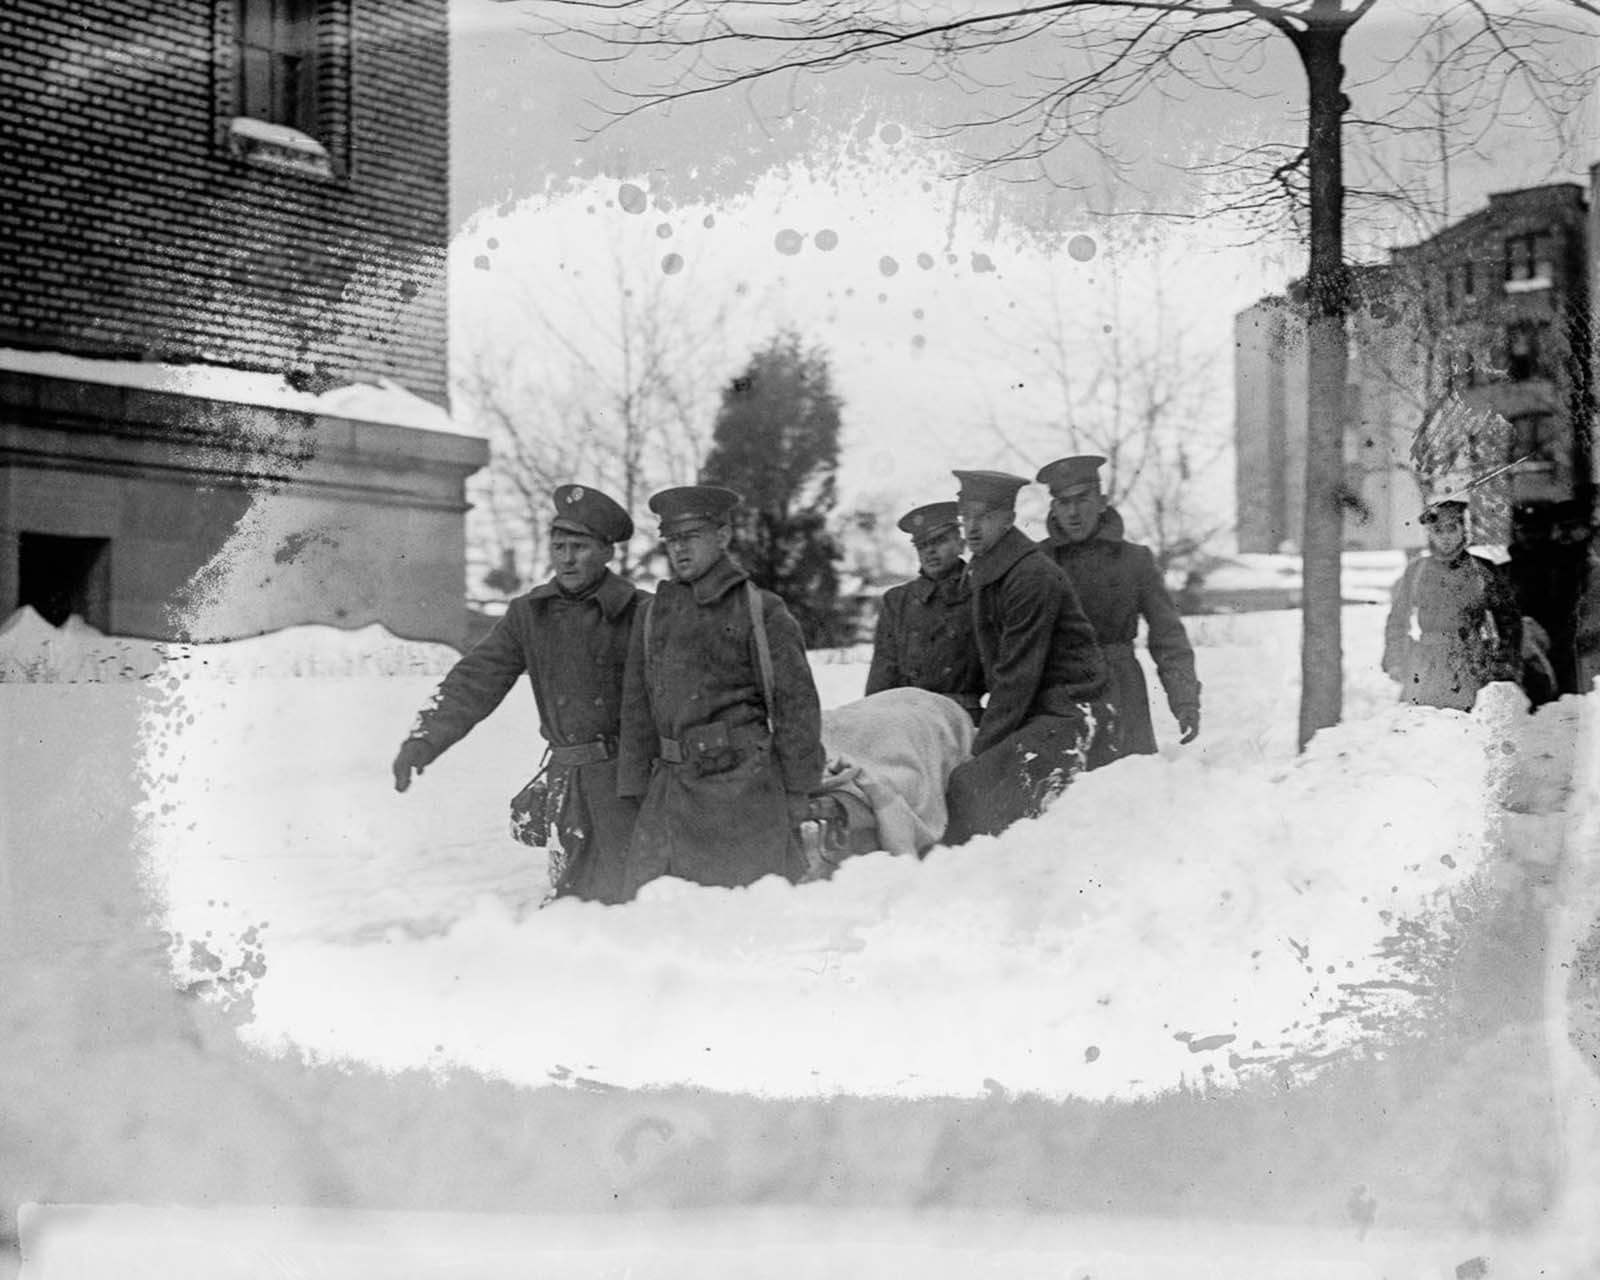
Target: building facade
{"type": "Point", "coordinates": [1492, 311]}
{"type": "Point", "coordinates": [223, 355]}
{"type": "Point", "coordinates": [1380, 404]}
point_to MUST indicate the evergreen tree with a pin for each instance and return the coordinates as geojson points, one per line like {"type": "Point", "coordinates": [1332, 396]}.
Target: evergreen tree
{"type": "Point", "coordinates": [776, 441]}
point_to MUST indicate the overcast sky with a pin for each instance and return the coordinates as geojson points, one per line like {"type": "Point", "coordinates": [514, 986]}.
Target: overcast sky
{"type": "Point", "coordinates": [827, 204]}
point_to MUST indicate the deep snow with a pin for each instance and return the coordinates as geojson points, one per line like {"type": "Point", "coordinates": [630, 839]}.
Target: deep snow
{"type": "Point", "coordinates": [272, 805]}
{"type": "Point", "coordinates": [1216, 910]}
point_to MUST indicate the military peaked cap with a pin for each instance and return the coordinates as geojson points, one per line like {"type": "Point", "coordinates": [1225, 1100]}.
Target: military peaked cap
{"type": "Point", "coordinates": [693, 504]}
{"type": "Point", "coordinates": [1070, 473]}
{"type": "Point", "coordinates": [993, 490]}
{"type": "Point", "coordinates": [580, 509]}
{"type": "Point", "coordinates": [1451, 489]}
{"type": "Point", "coordinates": [926, 522]}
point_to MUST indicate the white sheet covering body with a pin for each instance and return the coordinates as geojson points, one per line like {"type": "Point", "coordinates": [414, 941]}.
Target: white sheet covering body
{"type": "Point", "coordinates": [894, 751]}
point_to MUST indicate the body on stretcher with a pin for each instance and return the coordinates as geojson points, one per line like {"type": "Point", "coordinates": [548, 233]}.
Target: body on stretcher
{"type": "Point", "coordinates": [889, 759]}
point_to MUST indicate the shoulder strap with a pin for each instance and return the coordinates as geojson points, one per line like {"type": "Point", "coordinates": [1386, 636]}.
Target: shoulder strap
{"type": "Point", "coordinates": [758, 624]}
{"type": "Point", "coordinates": [649, 617]}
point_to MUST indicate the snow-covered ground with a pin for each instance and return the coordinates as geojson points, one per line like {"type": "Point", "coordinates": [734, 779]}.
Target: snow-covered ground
{"type": "Point", "coordinates": [1174, 918]}
{"type": "Point", "coordinates": [1222, 917]}
{"type": "Point", "coordinates": [1185, 917]}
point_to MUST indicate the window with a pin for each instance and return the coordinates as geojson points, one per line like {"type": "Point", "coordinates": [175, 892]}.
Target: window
{"type": "Point", "coordinates": [1460, 284]}
{"type": "Point", "coordinates": [278, 62]}
{"type": "Point", "coordinates": [284, 87]}
{"type": "Point", "coordinates": [1534, 436]}
{"type": "Point", "coordinates": [1527, 261]}
{"type": "Point", "coordinates": [59, 577]}
{"type": "Point", "coordinates": [1524, 359]}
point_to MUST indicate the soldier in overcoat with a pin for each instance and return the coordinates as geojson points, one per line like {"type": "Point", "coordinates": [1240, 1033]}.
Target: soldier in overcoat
{"type": "Point", "coordinates": [1044, 670]}
{"type": "Point", "coordinates": [724, 758]}
{"type": "Point", "coordinates": [924, 638]}
{"type": "Point", "coordinates": [1453, 625]}
{"type": "Point", "coordinates": [570, 635]}
{"type": "Point", "coordinates": [1118, 583]}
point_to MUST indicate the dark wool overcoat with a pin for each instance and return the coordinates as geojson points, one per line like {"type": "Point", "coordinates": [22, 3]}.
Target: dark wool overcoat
{"type": "Point", "coordinates": [718, 817]}
{"type": "Point", "coordinates": [925, 640]}
{"type": "Point", "coordinates": [1046, 680]}
{"type": "Point", "coordinates": [1118, 583]}
{"type": "Point", "coordinates": [1453, 627]}
{"type": "Point", "coordinates": [574, 651]}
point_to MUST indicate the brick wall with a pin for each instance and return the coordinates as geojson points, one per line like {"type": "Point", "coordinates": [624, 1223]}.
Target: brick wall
{"type": "Point", "coordinates": [139, 234]}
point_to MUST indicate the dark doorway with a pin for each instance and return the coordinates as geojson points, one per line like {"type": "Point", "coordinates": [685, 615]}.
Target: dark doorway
{"type": "Point", "coordinates": [60, 577]}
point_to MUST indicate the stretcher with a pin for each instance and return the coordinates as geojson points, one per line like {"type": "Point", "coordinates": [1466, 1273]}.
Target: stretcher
{"type": "Point", "coordinates": [889, 758]}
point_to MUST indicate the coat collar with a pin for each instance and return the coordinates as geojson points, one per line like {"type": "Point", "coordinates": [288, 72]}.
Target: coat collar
{"type": "Point", "coordinates": [1109, 528]}
{"type": "Point", "coordinates": [995, 563]}
{"type": "Point", "coordinates": [717, 581]}
{"type": "Point", "coordinates": [924, 588]}
{"type": "Point", "coordinates": [612, 595]}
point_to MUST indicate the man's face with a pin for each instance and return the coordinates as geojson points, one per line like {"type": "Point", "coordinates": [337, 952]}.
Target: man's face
{"type": "Point", "coordinates": [692, 551]}
{"type": "Point", "coordinates": [1077, 510]}
{"type": "Point", "coordinates": [1448, 533]}
{"type": "Point", "coordinates": [579, 561]}
{"type": "Point", "coordinates": [982, 527]}
{"type": "Point", "coordinates": [938, 554]}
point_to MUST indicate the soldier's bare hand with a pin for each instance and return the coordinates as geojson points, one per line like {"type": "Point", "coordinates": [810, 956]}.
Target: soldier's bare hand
{"type": "Point", "coordinates": [412, 758]}
{"type": "Point", "coordinates": [1189, 724]}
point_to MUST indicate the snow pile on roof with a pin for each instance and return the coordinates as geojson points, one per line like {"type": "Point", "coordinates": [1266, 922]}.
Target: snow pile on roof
{"type": "Point", "coordinates": [32, 651]}
{"type": "Point", "coordinates": [378, 400]}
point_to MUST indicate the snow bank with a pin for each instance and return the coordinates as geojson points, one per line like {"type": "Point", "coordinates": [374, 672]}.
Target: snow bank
{"type": "Point", "coordinates": [1204, 915]}
{"type": "Point", "coordinates": [1127, 921]}
{"type": "Point", "coordinates": [378, 400]}
{"type": "Point", "coordinates": [1164, 923]}
{"type": "Point", "coordinates": [32, 651]}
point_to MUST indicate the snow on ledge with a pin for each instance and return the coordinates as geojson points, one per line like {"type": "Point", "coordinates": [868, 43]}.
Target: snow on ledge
{"type": "Point", "coordinates": [34, 652]}
{"type": "Point", "coordinates": [379, 400]}
{"type": "Point", "coordinates": [279, 135]}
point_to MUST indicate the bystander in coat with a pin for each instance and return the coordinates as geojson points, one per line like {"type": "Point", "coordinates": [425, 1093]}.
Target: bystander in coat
{"type": "Point", "coordinates": [570, 636]}
{"type": "Point", "coordinates": [721, 723]}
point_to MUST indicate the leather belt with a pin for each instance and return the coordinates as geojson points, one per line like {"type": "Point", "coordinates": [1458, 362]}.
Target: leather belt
{"type": "Point", "coordinates": [582, 753]}
{"type": "Point", "coordinates": [1117, 646]}
{"type": "Point", "coordinates": [676, 751]}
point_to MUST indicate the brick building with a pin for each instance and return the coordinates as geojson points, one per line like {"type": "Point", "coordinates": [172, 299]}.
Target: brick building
{"type": "Point", "coordinates": [223, 316]}
{"type": "Point", "coordinates": [1494, 310]}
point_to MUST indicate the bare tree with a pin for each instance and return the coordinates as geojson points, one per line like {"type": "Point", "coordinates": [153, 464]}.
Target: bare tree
{"type": "Point", "coordinates": [1104, 58]}
{"type": "Point", "coordinates": [616, 385]}
{"type": "Point", "coordinates": [1142, 396]}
